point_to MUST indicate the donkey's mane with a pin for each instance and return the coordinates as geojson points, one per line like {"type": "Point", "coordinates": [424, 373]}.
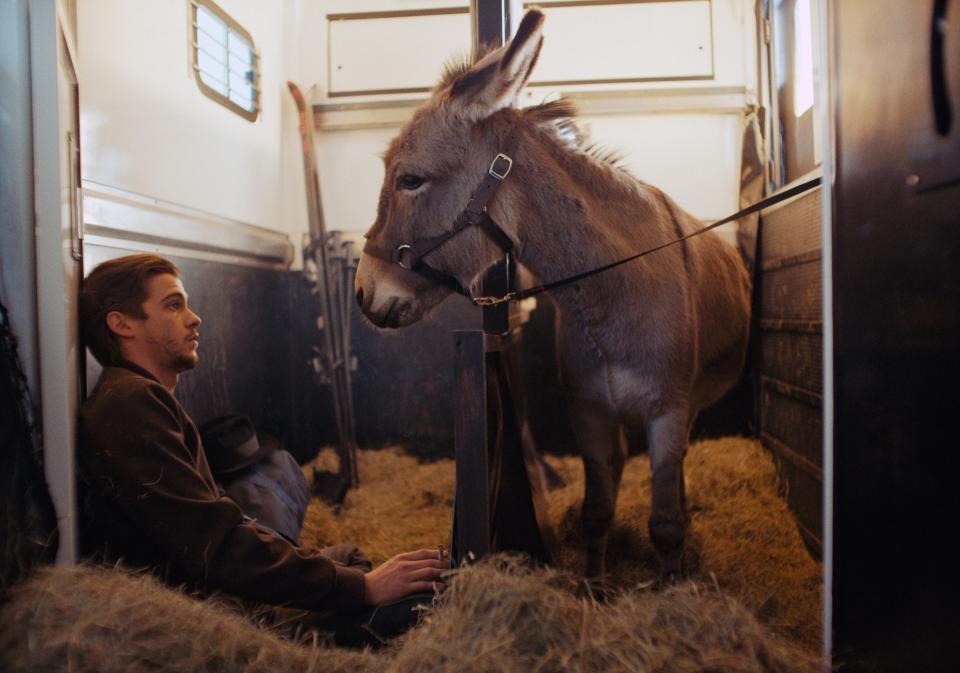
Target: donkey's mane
{"type": "Point", "coordinates": [561, 116]}
{"type": "Point", "coordinates": [606, 155]}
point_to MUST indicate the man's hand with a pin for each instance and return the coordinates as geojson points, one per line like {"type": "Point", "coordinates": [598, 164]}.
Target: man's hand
{"type": "Point", "coordinates": [405, 574]}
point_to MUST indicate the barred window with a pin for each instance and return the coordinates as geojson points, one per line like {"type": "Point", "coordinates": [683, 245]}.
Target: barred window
{"type": "Point", "coordinates": [225, 62]}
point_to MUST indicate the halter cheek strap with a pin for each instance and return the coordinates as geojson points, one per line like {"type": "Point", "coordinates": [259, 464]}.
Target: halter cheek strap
{"type": "Point", "coordinates": [410, 255]}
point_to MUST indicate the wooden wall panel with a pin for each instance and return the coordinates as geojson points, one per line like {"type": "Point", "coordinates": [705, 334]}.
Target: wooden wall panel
{"type": "Point", "coordinates": [790, 353]}
{"type": "Point", "coordinates": [792, 292]}
{"type": "Point", "coordinates": [793, 356]}
{"type": "Point", "coordinates": [797, 424]}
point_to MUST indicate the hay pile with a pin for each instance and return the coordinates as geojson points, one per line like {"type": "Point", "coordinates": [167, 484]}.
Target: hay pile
{"type": "Point", "coordinates": [502, 619]}
{"type": "Point", "coordinates": [496, 616]}
{"type": "Point", "coordinates": [101, 620]}
{"type": "Point", "coordinates": [401, 505]}
{"type": "Point", "coordinates": [742, 536]}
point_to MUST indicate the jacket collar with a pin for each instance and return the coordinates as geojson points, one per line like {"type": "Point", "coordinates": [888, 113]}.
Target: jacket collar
{"type": "Point", "coordinates": [136, 369]}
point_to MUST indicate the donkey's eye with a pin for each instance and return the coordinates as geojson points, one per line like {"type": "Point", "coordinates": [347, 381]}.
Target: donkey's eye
{"type": "Point", "coordinates": [409, 182]}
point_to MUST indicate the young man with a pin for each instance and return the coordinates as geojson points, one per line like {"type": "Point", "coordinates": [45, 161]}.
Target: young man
{"type": "Point", "coordinates": [149, 496]}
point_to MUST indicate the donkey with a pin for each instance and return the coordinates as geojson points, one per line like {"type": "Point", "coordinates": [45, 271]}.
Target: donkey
{"type": "Point", "coordinates": [644, 345]}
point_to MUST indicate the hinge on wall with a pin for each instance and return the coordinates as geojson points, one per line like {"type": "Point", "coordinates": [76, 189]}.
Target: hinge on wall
{"type": "Point", "coordinates": [76, 211]}
{"type": "Point", "coordinates": [766, 31]}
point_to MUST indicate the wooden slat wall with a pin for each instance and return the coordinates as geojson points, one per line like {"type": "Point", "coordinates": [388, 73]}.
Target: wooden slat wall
{"type": "Point", "coordinates": [790, 352]}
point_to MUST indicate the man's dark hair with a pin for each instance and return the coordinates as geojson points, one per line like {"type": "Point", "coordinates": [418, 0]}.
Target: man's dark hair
{"type": "Point", "coordinates": [116, 285]}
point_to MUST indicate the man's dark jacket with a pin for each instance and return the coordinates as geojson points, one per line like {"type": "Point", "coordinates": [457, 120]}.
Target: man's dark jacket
{"type": "Point", "coordinates": [150, 499]}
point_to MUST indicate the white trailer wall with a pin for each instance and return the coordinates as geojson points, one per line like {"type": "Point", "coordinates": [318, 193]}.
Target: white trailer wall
{"type": "Point", "coordinates": [161, 161]}
{"type": "Point", "coordinates": [680, 129]}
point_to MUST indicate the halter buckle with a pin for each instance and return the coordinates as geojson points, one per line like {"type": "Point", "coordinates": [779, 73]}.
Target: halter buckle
{"type": "Point", "coordinates": [503, 173]}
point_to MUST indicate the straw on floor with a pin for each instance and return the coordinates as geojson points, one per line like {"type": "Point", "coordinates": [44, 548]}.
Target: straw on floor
{"type": "Point", "coordinates": [742, 538]}
{"type": "Point", "coordinates": [750, 609]}
{"type": "Point", "coordinates": [497, 617]}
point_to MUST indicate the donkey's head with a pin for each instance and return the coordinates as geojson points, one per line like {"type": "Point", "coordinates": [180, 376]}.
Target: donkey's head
{"type": "Point", "coordinates": [432, 169]}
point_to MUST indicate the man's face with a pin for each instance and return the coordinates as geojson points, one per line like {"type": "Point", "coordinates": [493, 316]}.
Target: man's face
{"type": "Point", "coordinates": [169, 336]}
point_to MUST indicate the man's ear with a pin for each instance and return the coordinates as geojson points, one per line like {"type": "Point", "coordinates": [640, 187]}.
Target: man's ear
{"type": "Point", "coordinates": [119, 324]}
{"type": "Point", "coordinates": [493, 82]}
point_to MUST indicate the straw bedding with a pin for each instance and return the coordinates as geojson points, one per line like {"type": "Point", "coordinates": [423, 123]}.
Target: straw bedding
{"type": "Point", "coordinates": [742, 537]}
{"type": "Point", "coordinates": [497, 616]}
{"type": "Point", "coordinates": [94, 619]}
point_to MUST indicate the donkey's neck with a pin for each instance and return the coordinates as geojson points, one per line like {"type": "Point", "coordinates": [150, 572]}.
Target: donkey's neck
{"type": "Point", "coordinates": [572, 212]}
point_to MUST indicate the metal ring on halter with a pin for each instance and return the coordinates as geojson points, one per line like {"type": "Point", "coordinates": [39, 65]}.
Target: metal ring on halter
{"type": "Point", "coordinates": [398, 255]}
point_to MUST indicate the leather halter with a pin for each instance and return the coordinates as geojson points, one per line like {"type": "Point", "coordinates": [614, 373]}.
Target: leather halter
{"type": "Point", "coordinates": [410, 255]}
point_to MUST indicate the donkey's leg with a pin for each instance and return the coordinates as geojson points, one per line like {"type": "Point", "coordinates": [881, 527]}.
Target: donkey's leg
{"type": "Point", "coordinates": [667, 436]}
{"type": "Point", "coordinates": [604, 449]}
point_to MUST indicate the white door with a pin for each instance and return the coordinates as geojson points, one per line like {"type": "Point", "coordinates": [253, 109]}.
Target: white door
{"type": "Point", "coordinates": [58, 228]}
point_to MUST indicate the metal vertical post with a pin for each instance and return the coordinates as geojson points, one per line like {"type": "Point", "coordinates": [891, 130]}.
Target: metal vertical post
{"type": "Point", "coordinates": [471, 538]}
{"type": "Point", "coordinates": [499, 503]}
{"type": "Point", "coordinates": [492, 22]}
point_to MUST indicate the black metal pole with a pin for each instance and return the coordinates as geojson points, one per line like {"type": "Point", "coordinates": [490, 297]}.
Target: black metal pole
{"type": "Point", "coordinates": [493, 22]}
{"type": "Point", "coordinates": [489, 20]}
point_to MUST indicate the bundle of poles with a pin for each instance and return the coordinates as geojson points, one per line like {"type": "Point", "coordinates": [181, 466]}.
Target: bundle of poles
{"type": "Point", "coordinates": [330, 262]}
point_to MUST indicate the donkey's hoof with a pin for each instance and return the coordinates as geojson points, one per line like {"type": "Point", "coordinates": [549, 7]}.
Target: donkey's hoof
{"type": "Point", "coordinates": [671, 567]}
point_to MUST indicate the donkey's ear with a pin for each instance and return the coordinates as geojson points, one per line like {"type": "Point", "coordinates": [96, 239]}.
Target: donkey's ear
{"type": "Point", "coordinates": [494, 81]}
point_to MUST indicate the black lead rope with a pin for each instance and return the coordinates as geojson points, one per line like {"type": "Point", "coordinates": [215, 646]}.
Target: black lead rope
{"type": "Point", "coordinates": [539, 289]}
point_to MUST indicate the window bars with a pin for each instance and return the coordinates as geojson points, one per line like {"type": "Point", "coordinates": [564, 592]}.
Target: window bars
{"type": "Point", "coordinates": [226, 64]}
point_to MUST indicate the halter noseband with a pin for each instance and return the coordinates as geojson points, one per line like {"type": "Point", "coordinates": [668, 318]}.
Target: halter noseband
{"type": "Point", "coordinates": [410, 255]}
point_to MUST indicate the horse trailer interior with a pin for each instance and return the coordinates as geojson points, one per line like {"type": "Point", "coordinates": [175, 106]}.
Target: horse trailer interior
{"type": "Point", "coordinates": [131, 127]}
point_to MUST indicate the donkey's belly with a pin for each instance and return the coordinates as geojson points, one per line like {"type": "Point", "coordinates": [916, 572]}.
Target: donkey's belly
{"type": "Point", "coordinates": [626, 387]}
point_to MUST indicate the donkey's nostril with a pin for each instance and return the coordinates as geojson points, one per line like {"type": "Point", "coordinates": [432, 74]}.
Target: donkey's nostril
{"type": "Point", "coordinates": [360, 297]}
